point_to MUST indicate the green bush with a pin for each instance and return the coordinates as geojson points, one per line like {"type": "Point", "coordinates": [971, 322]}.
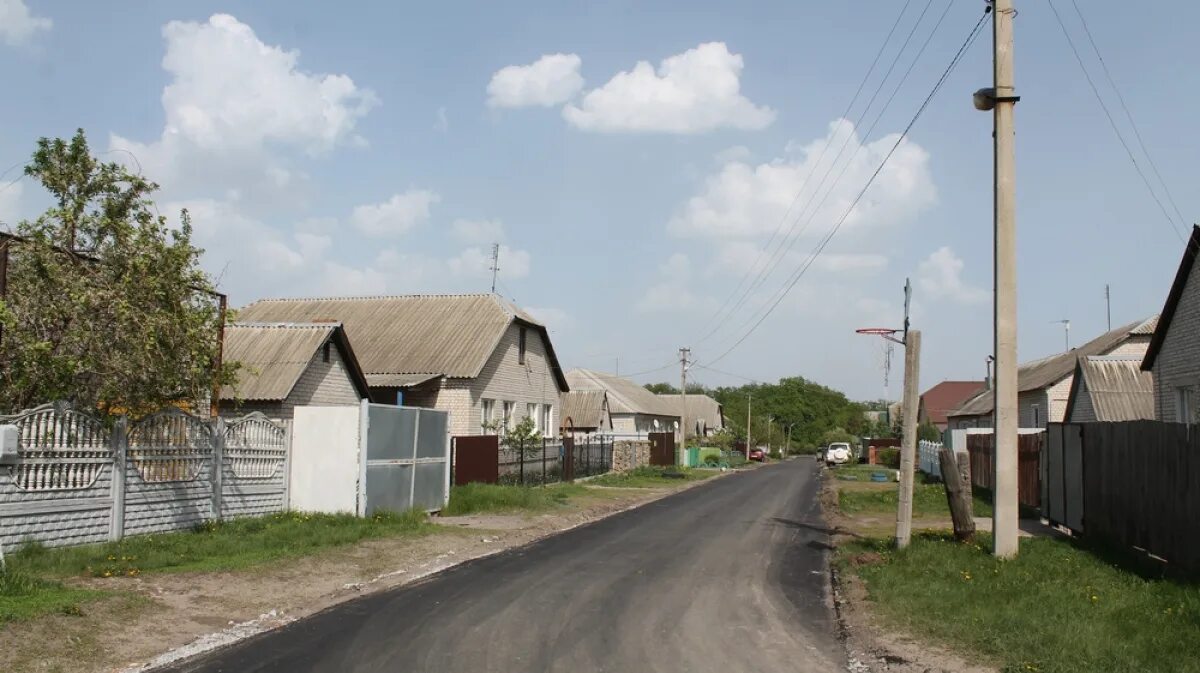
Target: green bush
{"type": "Point", "coordinates": [889, 456]}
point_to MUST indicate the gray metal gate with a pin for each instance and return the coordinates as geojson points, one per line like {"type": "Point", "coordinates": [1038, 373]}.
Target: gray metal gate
{"type": "Point", "coordinates": [406, 459]}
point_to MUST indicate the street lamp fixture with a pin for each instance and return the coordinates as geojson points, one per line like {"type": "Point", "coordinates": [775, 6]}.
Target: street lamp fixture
{"type": "Point", "coordinates": [985, 99]}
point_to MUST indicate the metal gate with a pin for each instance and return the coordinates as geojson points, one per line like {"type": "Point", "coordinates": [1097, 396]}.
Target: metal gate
{"type": "Point", "coordinates": [406, 459]}
{"type": "Point", "coordinates": [662, 448]}
{"type": "Point", "coordinates": [476, 459]}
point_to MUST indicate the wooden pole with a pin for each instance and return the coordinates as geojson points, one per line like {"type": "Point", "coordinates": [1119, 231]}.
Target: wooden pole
{"type": "Point", "coordinates": [958, 495]}
{"type": "Point", "coordinates": [908, 447]}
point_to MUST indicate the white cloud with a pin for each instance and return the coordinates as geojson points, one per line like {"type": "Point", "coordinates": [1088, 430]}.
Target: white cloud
{"type": "Point", "coordinates": [735, 153]}
{"type": "Point", "coordinates": [673, 292]}
{"type": "Point", "coordinates": [939, 276]}
{"type": "Point", "coordinates": [234, 104]}
{"type": "Point", "coordinates": [10, 203]}
{"type": "Point", "coordinates": [554, 319]}
{"type": "Point", "coordinates": [750, 201]}
{"type": "Point", "coordinates": [693, 92]}
{"type": "Point", "coordinates": [478, 232]}
{"type": "Point", "coordinates": [476, 262]}
{"type": "Point", "coordinates": [396, 215]}
{"type": "Point", "coordinates": [850, 262]}
{"type": "Point", "coordinates": [550, 80]}
{"type": "Point", "coordinates": [18, 25]}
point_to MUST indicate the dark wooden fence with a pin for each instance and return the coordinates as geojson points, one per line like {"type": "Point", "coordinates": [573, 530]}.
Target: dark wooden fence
{"type": "Point", "coordinates": [1029, 452]}
{"type": "Point", "coordinates": [1140, 486]}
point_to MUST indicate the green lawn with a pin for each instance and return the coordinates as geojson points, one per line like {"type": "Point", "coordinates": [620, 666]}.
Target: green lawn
{"type": "Point", "coordinates": [929, 500]}
{"type": "Point", "coordinates": [226, 545]}
{"type": "Point", "coordinates": [650, 477]}
{"type": "Point", "coordinates": [1055, 608]}
{"type": "Point", "coordinates": [476, 498]}
{"type": "Point", "coordinates": [23, 596]}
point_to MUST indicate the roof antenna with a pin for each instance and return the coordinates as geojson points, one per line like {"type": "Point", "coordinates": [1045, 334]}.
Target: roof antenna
{"type": "Point", "coordinates": [1066, 333]}
{"type": "Point", "coordinates": [495, 264]}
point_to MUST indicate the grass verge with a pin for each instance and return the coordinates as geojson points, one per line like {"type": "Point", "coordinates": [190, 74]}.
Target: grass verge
{"type": "Point", "coordinates": [23, 596]}
{"type": "Point", "coordinates": [650, 477]}
{"type": "Point", "coordinates": [476, 498]}
{"type": "Point", "coordinates": [866, 497]}
{"type": "Point", "coordinates": [1055, 608]}
{"type": "Point", "coordinates": [219, 546]}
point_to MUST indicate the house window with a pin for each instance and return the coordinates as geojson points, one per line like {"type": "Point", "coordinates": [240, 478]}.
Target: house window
{"type": "Point", "coordinates": [531, 412]}
{"type": "Point", "coordinates": [1036, 411]}
{"type": "Point", "coordinates": [508, 415]}
{"type": "Point", "coordinates": [547, 416]}
{"type": "Point", "coordinates": [486, 409]}
{"type": "Point", "coordinates": [521, 348]}
{"type": "Point", "coordinates": [1183, 405]}
{"type": "Point", "coordinates": [325, 352]}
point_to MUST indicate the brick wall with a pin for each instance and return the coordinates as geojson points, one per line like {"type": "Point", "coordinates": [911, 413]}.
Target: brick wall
{"type": "Point", "coordinates": [1178, 362]}
{"type": "Point", "coordinates": [325, 384]}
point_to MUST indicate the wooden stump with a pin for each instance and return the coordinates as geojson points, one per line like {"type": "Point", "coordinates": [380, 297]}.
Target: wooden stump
{"type": "Point", "coordinates": [958, 494]}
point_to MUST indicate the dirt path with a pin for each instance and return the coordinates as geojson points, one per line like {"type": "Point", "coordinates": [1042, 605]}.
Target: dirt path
{"type": "Point", "coordinates": [181, 614]}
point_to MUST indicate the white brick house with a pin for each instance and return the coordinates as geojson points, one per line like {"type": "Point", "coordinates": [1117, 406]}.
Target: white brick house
{"type": "Point", "coordinates": [633, 409]}
{"type": "Point", "coordinates": [476, 356]}
{"type": "Point", "coordinates": [1174, 353]}
{"type": "Point", "coordinates": [286, 365]}
{"type": "Point", "coordinates": [1044, 386]}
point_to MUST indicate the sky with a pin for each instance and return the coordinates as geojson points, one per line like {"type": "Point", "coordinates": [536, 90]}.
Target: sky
{"type": "Point", "coordinates": [656, 176]}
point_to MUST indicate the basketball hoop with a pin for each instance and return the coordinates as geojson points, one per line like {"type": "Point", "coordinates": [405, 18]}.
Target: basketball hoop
{"type": "Point", "coordinates": [885, 332]}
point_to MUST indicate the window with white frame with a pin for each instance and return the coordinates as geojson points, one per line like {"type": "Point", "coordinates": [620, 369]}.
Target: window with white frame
{"type": "Point", "coordinates": [508, 415]}
{"type": "Point", "coordinates": [1183, 405]}
{"type": "Point", "coordinates": [547, 417]}
{"type": "Point", "coordinates": [487, 409]}
{"type": "Point", "coordinates": [1035, 411]}
{"type": "Point", "coordinates": [531, 412]}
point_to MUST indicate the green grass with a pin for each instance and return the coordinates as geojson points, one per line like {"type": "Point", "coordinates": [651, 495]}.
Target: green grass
{"type": "Point", "coordinates": [649, 477]}
{"type": "Point", "coordinates": [23, 596]}
{"type": "Point", "coordinates": [476, 498]}
{"type": "Point", "coordinates": [929, 500]}
{"type": "Point", "coordinates": [227, 545]}
{"type": "Point", "coordinates": [1055, 608]}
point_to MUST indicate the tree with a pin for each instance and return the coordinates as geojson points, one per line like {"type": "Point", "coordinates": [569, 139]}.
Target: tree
{"type": "Point", "coordinates": [838, 435]}
{"type": "Point", "coordinates": [662, 388]}
{"type": "Point", "coordinates": [106, 306]}
{"type": "Point", "coordinates": [928, 432]}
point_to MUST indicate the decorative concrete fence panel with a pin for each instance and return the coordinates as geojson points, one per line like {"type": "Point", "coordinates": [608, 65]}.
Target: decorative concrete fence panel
{"type": "Point", "coordinates": [168, 473]}
{"type": "Point", "coordinates": [255, 464]}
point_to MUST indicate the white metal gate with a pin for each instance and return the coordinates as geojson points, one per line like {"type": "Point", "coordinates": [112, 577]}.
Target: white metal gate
{"type": "Point", "coordinates": [405, 458]}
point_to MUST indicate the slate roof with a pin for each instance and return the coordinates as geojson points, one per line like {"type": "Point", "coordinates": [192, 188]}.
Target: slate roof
{"type": "Point", "coordinates": [624, 396]}
{"type": "Point", "coordinates": [275, 355]}
{"type": "Point", "coordinates": [1119, 389]}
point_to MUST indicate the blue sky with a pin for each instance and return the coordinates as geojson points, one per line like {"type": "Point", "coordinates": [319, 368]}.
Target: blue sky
{"type": "Point", "coordinates": [633, 162]}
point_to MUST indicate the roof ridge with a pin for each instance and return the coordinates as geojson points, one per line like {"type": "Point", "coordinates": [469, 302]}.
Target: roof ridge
{"type": "Point", "coordinates": [433, 295]}
{"type": "Point", "coordinates": [287, 324]}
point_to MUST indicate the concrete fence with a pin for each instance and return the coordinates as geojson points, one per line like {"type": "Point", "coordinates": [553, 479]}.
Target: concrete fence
{"type": "Point", "coordinates": [927, 458]}
{"type": "Point", "coordinates": [77, 480]}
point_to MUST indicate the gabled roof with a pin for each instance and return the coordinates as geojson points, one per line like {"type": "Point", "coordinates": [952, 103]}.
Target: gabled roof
{"type": "Point", "coordinates": [699, 408]}
{"type": "Point", "coordinates": [624, 396]}
{"type": "Point", "coordinates": [275, 355]}
{"type": "Point", "coordinates": [1173, 297]}
{"type": "Point", "coordinates": [584, 409]}
{"type": "Point", "coordinates": [402, 338]}
{"type": "Point", "coordinates": [946, 397]}
{"type": "Point", "coordinates": [1048, 371]}
{"type": "Point", "coordinates": [1119, 389]}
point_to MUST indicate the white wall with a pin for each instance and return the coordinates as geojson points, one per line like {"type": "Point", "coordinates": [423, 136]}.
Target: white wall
{"type": "Point", "coordinates": [325, 459]}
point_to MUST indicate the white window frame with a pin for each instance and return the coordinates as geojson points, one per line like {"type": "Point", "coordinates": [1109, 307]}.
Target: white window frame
{"type": "Point", "coordinates": [547, 420]}
{"type": "Point", "coordinates": [487, 409]}
{"type": "Point", "coordinates": [1036, 410]}
{"type": "Point", "coordinates": [1183, 404]}
{"type": "Point", "coordinates": [531, 412]}
{"type": "Point", "coordinates": [510, 408]}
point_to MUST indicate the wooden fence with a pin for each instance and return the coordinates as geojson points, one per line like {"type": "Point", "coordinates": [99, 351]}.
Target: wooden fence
{"type": "Point", "coordinates": [1140, 486]}
{"type": "Point", "coordinates": [1029, 452]}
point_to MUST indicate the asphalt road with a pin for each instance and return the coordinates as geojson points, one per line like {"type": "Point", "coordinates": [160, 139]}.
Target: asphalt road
{"type": "Point", "coordinates": [728, 576]}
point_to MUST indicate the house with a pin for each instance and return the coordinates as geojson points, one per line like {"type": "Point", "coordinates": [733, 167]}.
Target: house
{"type": "Point", "coordinates": [479, 357]}
{"type": "Point", "coordinates": [1044, 385]}
{"type": "Point", "coordinates": [634, 410]}
{"type": "Point", "coordinates": [1110, 389]}
{"type": "Point", "coordinates": [944, 398]}
{"type": "Point", "coordinates": [705, 415]}
{"type": "Point", "coordinates": [1174, 354]}
{"type": "Point", "coordinates": [585, 412]}
{"type": "Point", "coordinates": [285, 365]}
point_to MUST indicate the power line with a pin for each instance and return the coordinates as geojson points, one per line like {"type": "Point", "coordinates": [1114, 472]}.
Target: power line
{"type": "Point", "coordinates": [828, 141]}
{"type": "Point", "coordinates": [837, 225]}
{"type": "Point", "coordinates": [718, 371]}
{"type": "Point", "coordinates": [1113, 123]}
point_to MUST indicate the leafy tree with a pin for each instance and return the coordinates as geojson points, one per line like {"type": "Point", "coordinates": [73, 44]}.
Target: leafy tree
{"type": "Point", "coordinates": [523, 437]}
{"type": "Point", "coordinates": [928, 431]}
{"type": "Point", "coordinates": [662, 388]}
{"type": "Point", "coordinates": [106, 305]}
{"type": "Point", "coordinates": [808, 407]}
{"type": "Point", "coordinates": [838, 435]}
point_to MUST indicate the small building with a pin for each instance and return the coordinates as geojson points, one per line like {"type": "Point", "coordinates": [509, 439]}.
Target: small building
{"type": "Point", "coordinates": [286, 365]}
{"type": "Point", "coordinates": [1110, 389]}
{"type": "Point", "coordinates": [944, 398]}
{"type": "Point", "coordinates": [633, 409]}
{"type": "Point", "coordinates": [1174, 354]}
{"type": "Point", "coordinates": [586, 412]}
{"type": "Point", "coordinates": [477, 356]}
{"type": "Point", "coordinates": [704, 414]}
{"type": "Point", "coordinates": [1044, 385]}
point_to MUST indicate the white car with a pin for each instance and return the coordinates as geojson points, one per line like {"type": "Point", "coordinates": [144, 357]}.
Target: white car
{"type": "Point", "coordinates": [838, 453]}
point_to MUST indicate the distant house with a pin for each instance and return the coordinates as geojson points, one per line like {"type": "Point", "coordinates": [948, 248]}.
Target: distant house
{"type": "Point", "coordinates": [485, 361]}
{"type": "Point", "coordinates": [585, 412]}
{"type": "Point", "coordinates": [944, 398]}
{"type": "Point", "coordinates": [634, 409]}
{"type": "Point", "coordinates": [705, 415]}
{"type": "Point", "coordinates": [286, 365]}
{"type": "Point", "coordinates": [1044, 385]}
{"type": "Point", "coordinates": [1110, 389]}
{"type": "Point", "coordinates": [1174, 353]}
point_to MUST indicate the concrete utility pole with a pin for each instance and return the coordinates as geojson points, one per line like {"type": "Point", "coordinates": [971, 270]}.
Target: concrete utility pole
{"type": "Point", "coordinates": [683, 422]}
{"type": "Point", "coordinates": [749, 396]}
{"type": "Point", "coordinates": [770, 419]}
{"type": "Point", "coordinates": [495, 264]}
{"type": "Point", "coordinates": [787, 448]}
{"type": "Point", "coordinates": [1108, 306]}
{"type": "Point", "coordinates": [1001, 99]}
{"type": "Point", "coordinates": [908, 443]}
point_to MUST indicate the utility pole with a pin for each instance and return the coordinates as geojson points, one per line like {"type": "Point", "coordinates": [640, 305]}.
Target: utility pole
{"type": "Point", "coordinates": [787, 448]}
{"type": "Point", "coordinates": [495, 264]}
{"type": "Point", "coordinates": [749, 396]}
{"type": "Point", "coordinates": [770, 419]}
{"type": "Point", "coordinates": [684, 352]}
{"type": "Point", "coordinates": [908, 442]}
{"type": "Point", "coordinates": [1002, 101]}
{"type": "Point", "coordinates": [1108, 306]}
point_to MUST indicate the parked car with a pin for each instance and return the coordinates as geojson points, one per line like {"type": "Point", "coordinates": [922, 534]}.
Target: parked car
{"type": "Point", "coordinates": [758, 454]}
{"type": "Point", "coordinates": [838, 453]}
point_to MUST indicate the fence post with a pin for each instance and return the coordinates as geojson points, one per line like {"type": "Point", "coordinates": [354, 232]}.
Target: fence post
{"type": "Point", "coordinates": [521, 458]}
{"type": "Point", "coordinates": [287, 465]}
{"type": "Point", "coordinates": [218, 465]}
{"type": "Point", "coordinates": [120, 445]}
{"type": "Point", "coordinates": [543, 460]}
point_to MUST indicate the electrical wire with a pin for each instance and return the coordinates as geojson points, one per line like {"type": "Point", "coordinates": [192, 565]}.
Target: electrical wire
{"type": "Point", "coordinates": [838, 224]}
{"type": "Point", "coordinates": [731, 374]}
{"type": "Point", "coordinates": [1111, 122]}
